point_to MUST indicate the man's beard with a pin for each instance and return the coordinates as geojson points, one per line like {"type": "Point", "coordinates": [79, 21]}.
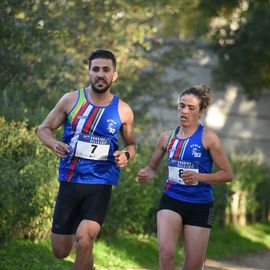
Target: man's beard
{"type": "Point", "coordinates": [102, 89]}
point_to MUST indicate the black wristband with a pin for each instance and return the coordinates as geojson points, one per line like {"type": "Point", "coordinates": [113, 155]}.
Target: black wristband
{"type": "Point", "coordinates": [127, 155]}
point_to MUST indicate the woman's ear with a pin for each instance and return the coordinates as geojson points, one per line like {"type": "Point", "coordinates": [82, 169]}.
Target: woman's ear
{"type": "Point", "coordinates": [201, 112]}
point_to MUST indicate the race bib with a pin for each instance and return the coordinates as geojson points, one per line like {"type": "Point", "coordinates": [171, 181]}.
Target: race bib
{"type": "Point", "coordinates": [177, 167]}
{"type": "Point", "coordinates": [92, 147]}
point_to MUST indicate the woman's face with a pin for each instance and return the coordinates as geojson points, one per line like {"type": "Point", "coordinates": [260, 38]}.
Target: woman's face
{"type": "Point", "coordinates": [189, 110]}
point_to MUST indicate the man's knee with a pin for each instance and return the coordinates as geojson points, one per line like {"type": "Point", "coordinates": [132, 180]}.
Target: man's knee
{"type": "Point", "coordinates": [84, 243]}
{"type": "Point", "coordinates": [61, 253]}
{"type": "Point", "coordinates": [61, 245]}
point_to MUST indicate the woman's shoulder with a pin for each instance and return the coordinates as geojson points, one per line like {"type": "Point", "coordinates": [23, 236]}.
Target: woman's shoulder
{"type": "Point", "coordinates": [210, 137]}
{"type": "Point", "coordinates": [165, 137]}
{"type": "Point", "coordinates": [167, 134]}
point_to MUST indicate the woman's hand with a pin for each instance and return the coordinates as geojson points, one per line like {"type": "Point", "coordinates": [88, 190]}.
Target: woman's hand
{"type": "Point", "coordinates": [145, 174]}
{"type": "Point", "coordinates": [190, 177]}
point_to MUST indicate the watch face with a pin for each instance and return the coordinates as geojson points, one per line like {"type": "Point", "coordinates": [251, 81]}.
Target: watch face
{"type": "Point", "coordinates": [127, 155]}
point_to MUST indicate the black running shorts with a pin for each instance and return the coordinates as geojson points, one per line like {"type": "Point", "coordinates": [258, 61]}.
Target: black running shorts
{"type": "Point", "coordinates": [77, 202]}
{"type": "Point", "coordinates": [194, 214]}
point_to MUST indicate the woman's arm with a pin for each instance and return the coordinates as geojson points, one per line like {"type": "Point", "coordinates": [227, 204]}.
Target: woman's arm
{"type": "Point", "coordinates": [224, 173]}
{"type": "Point", "coordinates": [150, 170]}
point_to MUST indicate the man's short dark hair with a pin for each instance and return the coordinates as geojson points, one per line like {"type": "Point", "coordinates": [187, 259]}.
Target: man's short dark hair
{"type": "Point", "coordinates": [104, 54]}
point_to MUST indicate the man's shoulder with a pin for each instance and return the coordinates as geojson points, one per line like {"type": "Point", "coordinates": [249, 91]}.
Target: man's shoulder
{"type": "Point", "coordinates": [124, 106]}
{"type": "Point", "coordinates": [125, 112]}
{"type": "Point", "coordinates": [73, 94]}
{"type": "Point", "coordinates": [68, 99]}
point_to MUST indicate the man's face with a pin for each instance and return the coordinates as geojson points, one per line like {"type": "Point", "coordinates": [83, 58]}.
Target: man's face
{"type": "Point", "coordinates": [102, 74]}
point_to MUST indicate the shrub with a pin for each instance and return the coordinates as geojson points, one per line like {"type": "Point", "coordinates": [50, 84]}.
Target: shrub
{"type": "Point", "coordinates": [251, 183]}
{"type": "Point", "coordinates": [27, 183]}
{"type": "Point", "coordinates": [133, 206]}
{"type": "Point", "coordinates": [28, 186]}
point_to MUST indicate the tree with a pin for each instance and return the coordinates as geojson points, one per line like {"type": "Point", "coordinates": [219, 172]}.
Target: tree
{"type": "Point", "coordinates": [45, 46]}
{"type": "Point", "coordinates": [236, 31]}
{"type": "Point", "coordinates": [241, 41]}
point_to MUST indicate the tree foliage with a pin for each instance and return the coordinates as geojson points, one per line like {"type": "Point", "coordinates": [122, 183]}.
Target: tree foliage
{"type": "Point", "coordinates": [236, 31]}
{"type": "Point", "coordinates": [240, 40]}
{"type": "Point", "coordinates": [45, 46]}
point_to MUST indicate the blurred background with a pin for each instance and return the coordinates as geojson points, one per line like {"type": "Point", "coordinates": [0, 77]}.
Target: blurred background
{"type": "Point", "coordinates": [161, 47]}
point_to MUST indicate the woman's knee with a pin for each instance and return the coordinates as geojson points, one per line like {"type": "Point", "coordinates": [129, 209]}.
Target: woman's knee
{"type": "Point", "coordinates": [194, 263]}
{"type": "Point", "coordinates": [166, 254]}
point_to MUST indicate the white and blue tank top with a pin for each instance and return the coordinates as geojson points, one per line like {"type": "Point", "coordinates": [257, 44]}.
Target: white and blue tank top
{"type": "Point", "coordinates": [188, 154]}
{"type": "Point", "coordinates": [92, 133]}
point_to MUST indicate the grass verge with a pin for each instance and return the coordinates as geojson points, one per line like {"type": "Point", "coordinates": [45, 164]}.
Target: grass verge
{"type": "Point", "coordinates": [130, 252]}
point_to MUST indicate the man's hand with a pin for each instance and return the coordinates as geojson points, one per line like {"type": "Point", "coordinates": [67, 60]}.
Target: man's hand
{"type": "Point", "coordinates": [121, 159]}
{"type": "Point", "coordinates": [61, 149]}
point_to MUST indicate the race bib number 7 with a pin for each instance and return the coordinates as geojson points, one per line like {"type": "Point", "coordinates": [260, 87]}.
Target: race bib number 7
{"type": "Point", "coordinates": [177, 167]}
{"type": "Point", "coordinates": [93, 147]}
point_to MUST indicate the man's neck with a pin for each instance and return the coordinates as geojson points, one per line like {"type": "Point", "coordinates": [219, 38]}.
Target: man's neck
{"type": "Point", "coordinates": [99, 99]}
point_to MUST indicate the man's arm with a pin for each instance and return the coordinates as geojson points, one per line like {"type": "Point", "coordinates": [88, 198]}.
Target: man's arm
{"type": "Point", "coordinates": [127, 133]}
{"type": "Point", "coordinates": [53, 121]}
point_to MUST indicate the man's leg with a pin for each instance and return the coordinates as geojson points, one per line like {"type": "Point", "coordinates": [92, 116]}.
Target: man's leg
{"type": "Point", "coordinates": [85, 238]}
{"type": "Point", "coordinates": [195, 246]}
{"type": "Point", "coordinates": [64, 218]}
{"type": "Point", "coordinates": [168, 230]}
{"type": "Point", "coordinates": [62, 245]}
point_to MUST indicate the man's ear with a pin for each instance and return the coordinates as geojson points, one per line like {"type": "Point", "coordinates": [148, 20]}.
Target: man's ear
{"type": "Point", "coordinates": [115, 76]}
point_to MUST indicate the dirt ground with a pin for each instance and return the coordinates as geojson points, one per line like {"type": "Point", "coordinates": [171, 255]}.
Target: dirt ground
{"type": "Point", "coordinates": [258, 261]}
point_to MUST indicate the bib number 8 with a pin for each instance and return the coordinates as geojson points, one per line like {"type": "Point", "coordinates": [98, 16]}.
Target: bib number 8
{"type": "Point", "coordinates": [181, 173]}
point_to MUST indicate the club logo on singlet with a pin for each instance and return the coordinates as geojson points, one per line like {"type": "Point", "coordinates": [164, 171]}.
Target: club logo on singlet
{"type": "Point", "coordinates": [196, 150]}
{"type": "Point", "coordinates": [111, 126]}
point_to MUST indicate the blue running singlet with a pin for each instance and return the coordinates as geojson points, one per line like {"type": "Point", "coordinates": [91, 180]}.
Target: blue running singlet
{"type": "Point", "coordinates": [92, 133]}
{"type": "Point", "coordinates": [188, 154]}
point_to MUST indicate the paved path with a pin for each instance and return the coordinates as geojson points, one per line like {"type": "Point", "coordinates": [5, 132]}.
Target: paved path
{"type": "Point", "coordinates": [252, 261]}
{"type": "Point", "coordinates": [259, 261]}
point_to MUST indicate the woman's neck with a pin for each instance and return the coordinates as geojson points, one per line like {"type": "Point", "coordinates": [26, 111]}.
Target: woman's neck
{"type": "Point", "coordinates": [185, 132]}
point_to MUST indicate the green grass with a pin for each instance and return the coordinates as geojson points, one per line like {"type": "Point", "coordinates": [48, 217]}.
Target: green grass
{"type": "Point", "coordinates": [27, 255]}
{"type": "Point", "coordinates": [234, 241]}
{"type": "Point", "coordinates": [128, 252]}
